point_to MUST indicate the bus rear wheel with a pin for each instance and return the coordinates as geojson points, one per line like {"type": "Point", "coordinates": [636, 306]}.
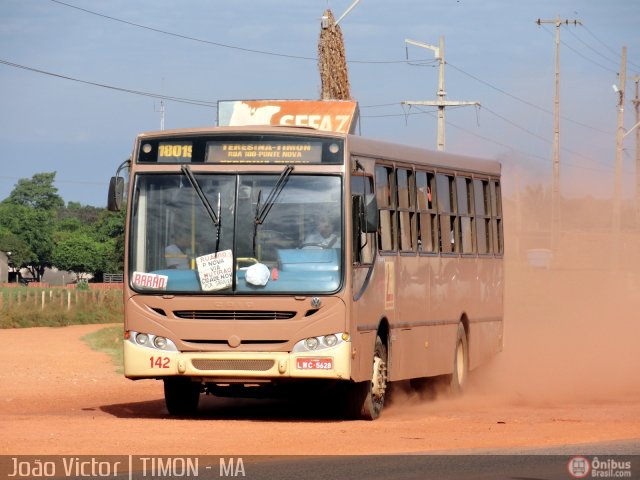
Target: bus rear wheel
{"type": "Point", "coordinates": [460, 373]}
{"type": "Point", "coordinates": [366, 399]}
{"type": "Point", "coordinates": [181, 396]}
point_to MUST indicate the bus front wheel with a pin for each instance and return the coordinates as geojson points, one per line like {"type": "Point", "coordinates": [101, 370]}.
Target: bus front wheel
{"type": "Point", "coordinates": [366, 399]}
{"type": "Point", "coordinates": [181, 396]}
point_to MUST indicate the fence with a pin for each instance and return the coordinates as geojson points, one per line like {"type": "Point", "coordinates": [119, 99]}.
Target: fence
{"type": "Point", "coordinates": [62, 297]}
{"type": "Point", "coordinates": [32, 306]}
{"type": "Point", "coordinates": [71, 286]}
{"type": "Point", "coordinates": [113, 277]}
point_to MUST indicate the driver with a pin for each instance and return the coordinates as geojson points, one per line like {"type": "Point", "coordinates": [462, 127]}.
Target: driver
{"type": "Point", "coordinates": [177, 254]}
{"type": "Point", "coordinates": [325, 235]}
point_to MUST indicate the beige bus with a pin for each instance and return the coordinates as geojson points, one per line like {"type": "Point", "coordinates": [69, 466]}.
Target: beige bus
{"type": "Point", "coordinates": [269, 258]}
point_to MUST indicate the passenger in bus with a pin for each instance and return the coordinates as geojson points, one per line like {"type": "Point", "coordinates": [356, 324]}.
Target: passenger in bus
{"type": "Point", "coordinates": [177, 254]}
{"type": "Point", "coordinates": [326, 235]}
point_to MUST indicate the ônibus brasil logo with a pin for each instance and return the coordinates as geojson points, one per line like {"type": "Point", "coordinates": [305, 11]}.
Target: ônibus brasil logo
{"type": "Point", "coordinates": [579, 467]}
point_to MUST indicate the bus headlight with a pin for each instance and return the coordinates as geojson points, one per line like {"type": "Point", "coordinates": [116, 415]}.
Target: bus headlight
{"type": "Point", "coordinates": [160, 342]}
{"type": "Point", "coordinates": [150, 341]}
{"type": "Point", "coordinates": [311, 343]}
{"type": "Point", "coordinates": [314, 344]}
{"type": "Point", "coordinates": [330, 340]}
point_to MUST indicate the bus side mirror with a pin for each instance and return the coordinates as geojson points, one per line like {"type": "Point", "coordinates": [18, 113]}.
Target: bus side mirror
{"type": "Point", "coordinates": [116, 194]}
{"type": "Point", "coordinates": [370, 214]}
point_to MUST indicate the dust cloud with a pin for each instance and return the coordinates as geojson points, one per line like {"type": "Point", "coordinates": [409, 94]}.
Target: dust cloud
{"type": "Point", "coordinates": [571, 308]}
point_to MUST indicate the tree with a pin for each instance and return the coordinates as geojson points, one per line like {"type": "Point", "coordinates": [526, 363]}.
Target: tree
{"type": "Point", "coordinates": [41, 232]}
{"type": "Point", "coordinates": [86, 214]}
{"type": "Point", "coordinates": [29, 212]}
{"type": "Point", "coordinates": [78, 253]}
{"type": "Point", "coordinates": [35, 230]}
{"type": "Point", "coordinates": [37, 192]}
{"type": "Point", "coordinates": [109, 232]}
{"type": "Point", "coordinates": [104, 238]}
{"type": "Point", "coordinates": [21, 254]}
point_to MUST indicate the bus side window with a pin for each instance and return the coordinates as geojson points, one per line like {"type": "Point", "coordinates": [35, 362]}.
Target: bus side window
{"type": "Point", "coordinates": [483, 215]}
{"type": "Point", "coordinates": [363, 243]}
{"type": "Point", "coordinates": [464, 189]}
{"type": "Point", "coordinates": [386, 206]}
{"type": "Point", "coordinates": [449, 229]}
{"type": "Point", "coordinates": [406, 210]}
{"type": "Point", "coordinates": [427, 216]}
{"type": "Point", "coordinates": [496, 218]}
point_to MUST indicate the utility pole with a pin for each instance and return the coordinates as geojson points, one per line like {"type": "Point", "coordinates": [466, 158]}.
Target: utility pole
{"type": "Point", "coordinates": [617, 187]}
{"type": "Point", "coordinates": [555, 186]}
{"type": "Point", "coordinates": [636, 104]}
{"type": "Point", "coordinates": [161, 110]}
{"type": "Point", "coordinates": [441, 103]}
{"type": "Point", "coordinates": [161, 114]}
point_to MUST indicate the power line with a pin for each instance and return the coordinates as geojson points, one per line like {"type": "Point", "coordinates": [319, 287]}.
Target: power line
{"type": "Point", "coordinates": [213, 104]}
{"type": "Point", "coordinates": [380, 105]}
{"type": "Point", "coordinates": [539, 137]}
{"type": "Point", "coordinates": [617, 54]}
{"type": "Point", "coordinates": [589, 46]}
{"type": "Point", "coordinates": [178, 35]}
{"type": "Point", "coordinates": [425, 62]}
{"type": "Point", "coordinates": [189, 101]}
{"type": "Point", "coordinates": [525, 102]}
{"type": "Point", "coordinates": [74, 182]}
{"type": "Point", "coordinates": [216, 44]}
{"type": "Point", "coordinates": [578, 52]}
{"type": "Point", "coordinates": [514, 124]}
{"type": "Point", "coordinates": [200, 103]}
{"type": "Point", "coordinates": [603, 168]}
{"type": "Point", "coordinates": [405, 114]}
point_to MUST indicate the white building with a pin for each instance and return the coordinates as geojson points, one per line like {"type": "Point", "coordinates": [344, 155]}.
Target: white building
{"type": "Point", "coordinates": [4, 267]}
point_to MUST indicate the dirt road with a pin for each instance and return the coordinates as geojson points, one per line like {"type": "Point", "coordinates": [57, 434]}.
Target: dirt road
{"type": "Point", "coordinates": [59, 397]}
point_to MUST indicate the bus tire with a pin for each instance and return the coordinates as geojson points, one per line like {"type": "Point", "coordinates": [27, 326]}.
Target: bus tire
{"type": "Point", "coordinates": [181, 396]}
{"type": "Point", "coordinates": [366, 399]}
{"type": "Point", "coordinates": [460, 373]}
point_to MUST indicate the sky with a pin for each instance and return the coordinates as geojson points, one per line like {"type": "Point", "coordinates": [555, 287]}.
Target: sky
{"type": "Point", "coordinates": [79, 80]}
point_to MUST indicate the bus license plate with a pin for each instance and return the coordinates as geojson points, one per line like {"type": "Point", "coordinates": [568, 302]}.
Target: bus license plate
{"type": "Point", "coordinates": [314, 363]}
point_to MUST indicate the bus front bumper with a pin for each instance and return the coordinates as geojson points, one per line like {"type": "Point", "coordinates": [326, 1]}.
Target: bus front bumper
{"type": "Point", "coordinates": [329, 363]}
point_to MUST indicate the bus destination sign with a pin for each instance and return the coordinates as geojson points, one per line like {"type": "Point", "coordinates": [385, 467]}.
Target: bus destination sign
{"type": "Point", "coordinates": [264, 152]}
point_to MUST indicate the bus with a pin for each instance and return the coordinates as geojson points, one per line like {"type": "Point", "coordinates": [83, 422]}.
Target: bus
{"type": "Point", "coordinates": [280, 251]}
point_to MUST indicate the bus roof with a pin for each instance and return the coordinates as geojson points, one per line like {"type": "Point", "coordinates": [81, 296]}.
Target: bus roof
{"type": "Point", "coordinates": [356, 144]}
{"type": "Point", "coordinates": [392, 151]}
{"type": "Point", "coordinates": [291, 130]}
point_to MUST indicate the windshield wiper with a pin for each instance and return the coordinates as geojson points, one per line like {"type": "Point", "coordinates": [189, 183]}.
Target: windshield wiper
{"type": "Point", "coordinates": [215, 217]}
{"type": "Point", "coordinates": [263, 210]}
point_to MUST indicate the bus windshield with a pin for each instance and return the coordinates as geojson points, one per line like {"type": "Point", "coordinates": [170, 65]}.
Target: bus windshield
{"type": "Point", "coordinates": [220, 233]}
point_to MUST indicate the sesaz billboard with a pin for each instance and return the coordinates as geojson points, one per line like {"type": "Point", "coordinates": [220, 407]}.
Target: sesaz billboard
{"type": "Point", "coordinates": [340, 116]}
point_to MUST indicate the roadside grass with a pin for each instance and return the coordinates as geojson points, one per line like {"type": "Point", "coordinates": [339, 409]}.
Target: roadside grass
{"type": "Point", "coordinates": [42, 307]}
{"type": "Point", "coordinates": [26, 307]}
{"type": "Point", "coordinates": [108, 340]}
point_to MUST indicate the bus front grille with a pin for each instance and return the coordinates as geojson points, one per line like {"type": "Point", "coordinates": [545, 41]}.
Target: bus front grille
{"type": "Point", "coordinates": [249, 365]}
{"type": "Point", "coordinates": [234, 314]}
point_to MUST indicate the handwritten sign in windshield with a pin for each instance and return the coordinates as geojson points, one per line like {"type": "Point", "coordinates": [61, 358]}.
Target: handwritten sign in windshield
{"type": "Point", "coordinates": [215, 270]}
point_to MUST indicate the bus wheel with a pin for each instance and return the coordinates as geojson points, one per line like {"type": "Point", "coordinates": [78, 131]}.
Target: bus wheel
{"type": "Point", "coordinates": [460, 362]}
{"type": "Point", "coordinates": [181, 396]}
{"type": "Point", "coordinates": [367, 398]}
